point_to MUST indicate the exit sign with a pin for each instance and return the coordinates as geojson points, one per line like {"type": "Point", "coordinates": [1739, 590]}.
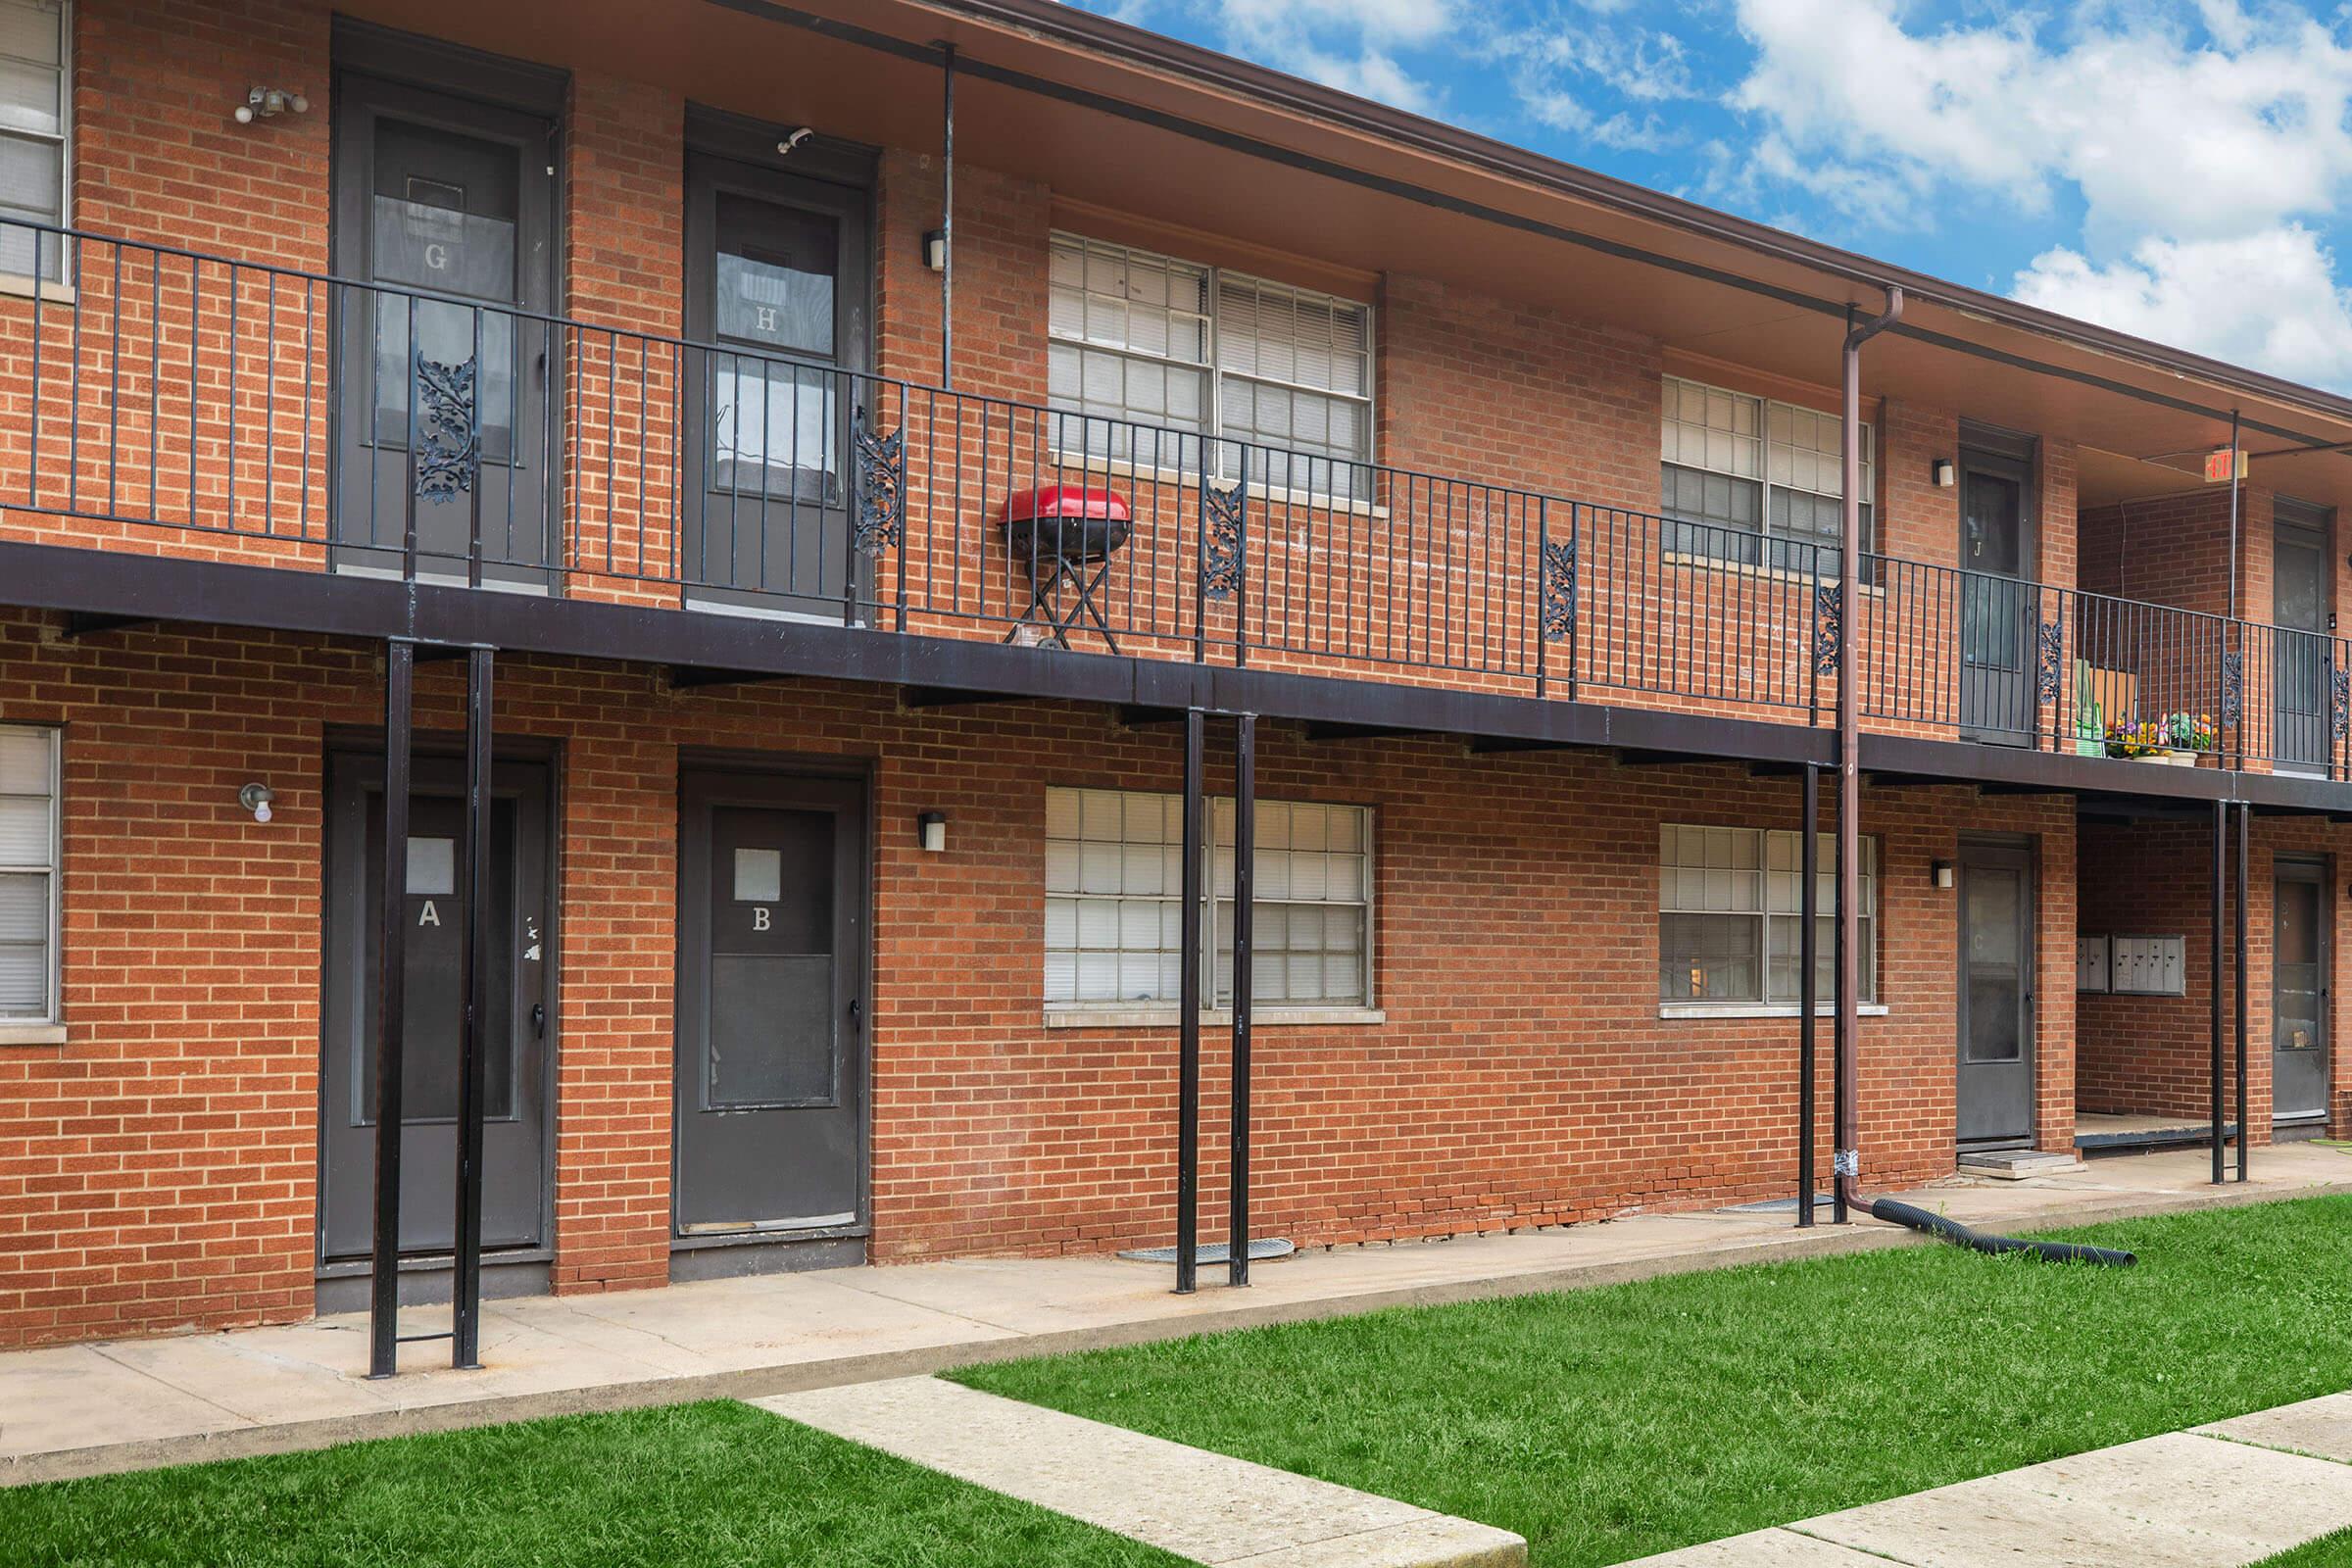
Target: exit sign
{"type": "Point", "coordinates": [2217, 465]}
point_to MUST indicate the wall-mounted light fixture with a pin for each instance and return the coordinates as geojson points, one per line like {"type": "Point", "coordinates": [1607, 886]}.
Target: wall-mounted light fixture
{"type": "Point", "coordinates": [256, 798]}
{"type": "Point", "coordinates": [267, 103]}
{"type": "Point", "coordinates": [931, 831]}
{"type": "Point", "coordinates": [935, 249]}
{"type": "Point", "coordinates": [1944, 472]}
{"type": "Point", "coordinates": [1942, 874]}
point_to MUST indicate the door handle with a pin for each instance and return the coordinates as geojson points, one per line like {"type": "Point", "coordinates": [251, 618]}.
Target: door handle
{"type": "Point", "coordinates": [856, 1005]}
{"type": "Point", "coordinates": [539, 1019]}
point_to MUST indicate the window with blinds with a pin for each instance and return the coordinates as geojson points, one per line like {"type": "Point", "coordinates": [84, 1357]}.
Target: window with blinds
{"type": "Point", "coordinates": [1149, 354]}
{"type": "Point", "coordinates": [33, 108]}
{"type": "Point", "coordinates": [1114, 901]}
{"type": "Point", "coordinates": [1752, 479]}
{"type": "Point", "coordinates": [28, 855]}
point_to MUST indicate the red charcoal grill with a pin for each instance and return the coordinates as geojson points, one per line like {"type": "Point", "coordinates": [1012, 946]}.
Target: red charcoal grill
{"type": "Point", "coordinates": [1067, 536]}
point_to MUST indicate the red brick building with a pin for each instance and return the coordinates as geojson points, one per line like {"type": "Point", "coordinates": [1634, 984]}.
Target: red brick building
{"type": "Point", "coordinates": [828, 806]}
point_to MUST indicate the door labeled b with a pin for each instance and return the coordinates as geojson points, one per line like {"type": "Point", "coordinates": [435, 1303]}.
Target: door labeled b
{"type": "Point", "coordinates": [771, 1051]}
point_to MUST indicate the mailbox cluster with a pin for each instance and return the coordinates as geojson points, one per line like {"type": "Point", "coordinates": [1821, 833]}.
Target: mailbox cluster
{"type": "Point", "coordinates": [2143, 966]}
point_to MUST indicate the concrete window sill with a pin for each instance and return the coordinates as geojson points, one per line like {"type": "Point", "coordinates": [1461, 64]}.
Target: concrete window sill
{"type": "Point", "coordinates": [17, 285]}
{"type": "Point", "coordinates": [1170, 1018]}
{"type": "Point", "coordinates": [32, 1034]}
{"type": "Point", "coordinates": [1751, 1009]}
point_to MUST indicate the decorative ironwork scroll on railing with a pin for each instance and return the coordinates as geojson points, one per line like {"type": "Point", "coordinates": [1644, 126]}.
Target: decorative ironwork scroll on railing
{"type": "Point", "coordinates": [1828, 608]}
{"type": "Point", "coordinates": [1559, 589]}
{"type": "Point", "coordinates": [2234, 686]}
{"type": "Point", "coordinates": [449, 451]}
{"type": "Point", "coordinates": [2340, 702]}
{"type": "Point", "coordinates": [880, 518]}
{"type": "Point", "coordinates": [1221, 538]}
{"type": "Point", "coordinates": [2051, 637]}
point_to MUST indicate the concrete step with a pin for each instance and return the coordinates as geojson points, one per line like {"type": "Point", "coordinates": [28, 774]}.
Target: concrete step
{"type": "Point", "coordinates": [1205, 1507]}
{"type": "Point", "coordinates": [2016, 1164]}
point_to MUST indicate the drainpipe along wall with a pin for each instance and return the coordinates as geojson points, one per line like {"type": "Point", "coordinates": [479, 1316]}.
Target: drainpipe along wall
{"type": "Point", "coordinates": [1848, 1159]}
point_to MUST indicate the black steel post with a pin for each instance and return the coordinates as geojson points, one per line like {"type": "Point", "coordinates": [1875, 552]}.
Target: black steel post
{"type": "Point", "coordinates": [1188, 1013]}
{"type": "Point", "coordinates": [1841, 1057]}
{"type": "Point", "coordinates": [1244, 924]}
{"type": "Point", "coordinates": [2220, 865]}
{"type": "Point", "coordinates": [383, 1298]}
{"type": "Point", "coordinates": [1808, 868]}
{"type": "Point", "coordinates": [2245, 813]}
{"type": "Point", "coordinates": [473, 983]}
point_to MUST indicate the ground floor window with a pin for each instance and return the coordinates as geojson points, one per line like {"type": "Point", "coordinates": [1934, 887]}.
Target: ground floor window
{"type": "Point", "coordinates": [1729, 903]}
{"type": "Point", "coordinates": [1115, 892]}
{"type": "Point", "coordinates": [28, 856]}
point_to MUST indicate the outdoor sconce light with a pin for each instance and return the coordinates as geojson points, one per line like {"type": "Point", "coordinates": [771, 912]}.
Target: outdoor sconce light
{"type": "Point", "coordinates": [1944, 473]}
{"type": "Point", "coordinates": [1941, 873]}
{"type": "Point", "coordinates": [256, 798]}
{"type": "Point", "coordinates": [931, 831]}
{"type": "Point", "coordinates": [934, 250]}
{"type": "Point", "coordinates": [267, 103]}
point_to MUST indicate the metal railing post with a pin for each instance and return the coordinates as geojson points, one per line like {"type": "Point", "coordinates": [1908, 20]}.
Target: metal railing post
{"type": "Point", "coordinates": [383, 1292]}
{"type": "Point", "coordinates": [1188, 1013]}
{"type": "Point", "coordinates": [473, 986]}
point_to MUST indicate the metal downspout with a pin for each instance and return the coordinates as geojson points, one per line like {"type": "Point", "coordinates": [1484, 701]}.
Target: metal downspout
{"type": "Point", "coordinates": [1849, 1159]}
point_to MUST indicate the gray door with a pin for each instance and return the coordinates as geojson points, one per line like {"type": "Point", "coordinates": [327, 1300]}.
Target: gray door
{"type": "Point", "coordinates": [2301, 661]}
{"type": "Point", "coordinates": [515, 1132]}
{"type": "Point", "coordinates": [2299, 942]}
{"type": "Point", "coordinates": [443, 406]}
{"type": "Point", "coordinates": [771, 1005]}
{"type": "Point", "coordinates": [1996, 610]}
{"type": "Point", "coordinates": [1996, 995]}
{"type": "Point", "coordinates": [776, 284]}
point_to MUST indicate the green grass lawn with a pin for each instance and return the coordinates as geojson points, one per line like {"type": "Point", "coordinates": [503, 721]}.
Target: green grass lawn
{"type": "Point", "coordinates": [1608, 1424]}
{"type": "Point", "coordinates": [690, 1487]}
{"type": "Point", "coordinates": [2328, 1551]}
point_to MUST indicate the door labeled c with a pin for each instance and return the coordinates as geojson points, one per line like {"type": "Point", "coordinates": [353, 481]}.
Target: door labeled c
{"type": "Point", "coordinates": [771, 1031]}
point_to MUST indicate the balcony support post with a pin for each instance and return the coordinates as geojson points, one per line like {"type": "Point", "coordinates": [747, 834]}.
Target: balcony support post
{"type": "Point", "coordinates": [1188, 1013]}
{"type": "Point", "coordinates": [1245, 893]}
{"type": "Point", "coordinates": [2245, 815]}
{"type": "Point", "coordinates": [1808, 873]}
{"type": "Point", "coordinates": [473, 986]}
{"type": "Point", "coordinates": [1848, 1159]}
{"type": "Point", "coordinates": [384, 1294]}
{"type": "Point", "coordinates": [2220, 865]}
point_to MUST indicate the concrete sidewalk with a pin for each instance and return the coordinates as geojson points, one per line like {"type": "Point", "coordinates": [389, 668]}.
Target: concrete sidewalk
{"type": "Point", "coordinates": [90, 1408]}
{"type": "Point", "coordinates": [2220, 1497]}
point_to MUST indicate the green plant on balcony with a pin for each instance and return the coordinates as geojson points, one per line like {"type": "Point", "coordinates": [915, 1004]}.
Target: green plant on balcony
{"type": "Point", "coordinates": [2192, 732]}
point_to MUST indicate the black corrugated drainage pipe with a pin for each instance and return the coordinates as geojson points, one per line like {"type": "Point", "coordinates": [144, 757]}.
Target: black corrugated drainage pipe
{"type": "Point", "coordinates": [1959, 1235]}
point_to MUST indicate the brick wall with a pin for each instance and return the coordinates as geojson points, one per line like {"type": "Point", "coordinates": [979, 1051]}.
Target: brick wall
{"type": "Point", "coordinates": [162, 1159]}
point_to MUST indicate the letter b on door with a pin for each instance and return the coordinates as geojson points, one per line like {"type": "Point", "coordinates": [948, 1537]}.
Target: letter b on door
{"type": "Point", "coordinates": [758, 916]}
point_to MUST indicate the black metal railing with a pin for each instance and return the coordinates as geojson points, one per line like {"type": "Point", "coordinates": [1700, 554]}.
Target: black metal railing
{"type": "Point", "coordinates": [304, 420]}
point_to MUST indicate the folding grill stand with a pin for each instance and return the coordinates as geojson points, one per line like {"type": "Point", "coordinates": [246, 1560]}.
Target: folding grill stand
{"type": "Point", "coordinates": [1080, 573]}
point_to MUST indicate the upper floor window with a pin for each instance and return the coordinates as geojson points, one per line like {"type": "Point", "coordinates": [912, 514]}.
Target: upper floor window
{"type": "Point", "coordinates": [1733, 466]}
{"type": "Point", "coordinates": [1155, 352]}
{"type": "Point", "coordinates": [33, 132]}
{"type": "Point", "coordinates": [28, 855]}
{"type": "Point", "coordinates": [1114, 901]}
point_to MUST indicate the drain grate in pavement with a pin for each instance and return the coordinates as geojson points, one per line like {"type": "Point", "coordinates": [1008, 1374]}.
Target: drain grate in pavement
{"type": "Point", "coordinates": [1264, 1248]}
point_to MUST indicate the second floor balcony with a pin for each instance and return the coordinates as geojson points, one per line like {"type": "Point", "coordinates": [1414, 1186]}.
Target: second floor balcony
{"type": "Point", "coordinates": [158, 400]}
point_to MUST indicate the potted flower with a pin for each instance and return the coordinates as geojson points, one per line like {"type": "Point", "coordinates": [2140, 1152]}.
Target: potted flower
{"type": "Point", "coordinates": [2186, 735]}
{"type": "Point", "coordinates": [2144, 739]}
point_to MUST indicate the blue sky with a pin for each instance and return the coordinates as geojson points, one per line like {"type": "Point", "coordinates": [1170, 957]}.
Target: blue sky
{"type": "Point", "coordinates": [2164, 167]}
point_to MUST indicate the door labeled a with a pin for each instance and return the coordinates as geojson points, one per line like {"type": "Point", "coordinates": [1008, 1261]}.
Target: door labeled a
{"type": "Point", "coordinates": [518, 943]}
{"type": "Point", "coordinates": [771, 1049]}
{"type": "Point", "coordinates": [1996, 995]}
{"type": "Point", "coordinates": [2299, 991]}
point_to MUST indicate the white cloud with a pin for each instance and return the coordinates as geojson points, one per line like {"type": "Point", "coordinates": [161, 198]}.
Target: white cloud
{"type": "Point", "coordinates": [1349, 44]}
{"type": "Point", "coordinates": [2268, 299]}
{"type": "Point", "coordinates": [2157, 128]}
